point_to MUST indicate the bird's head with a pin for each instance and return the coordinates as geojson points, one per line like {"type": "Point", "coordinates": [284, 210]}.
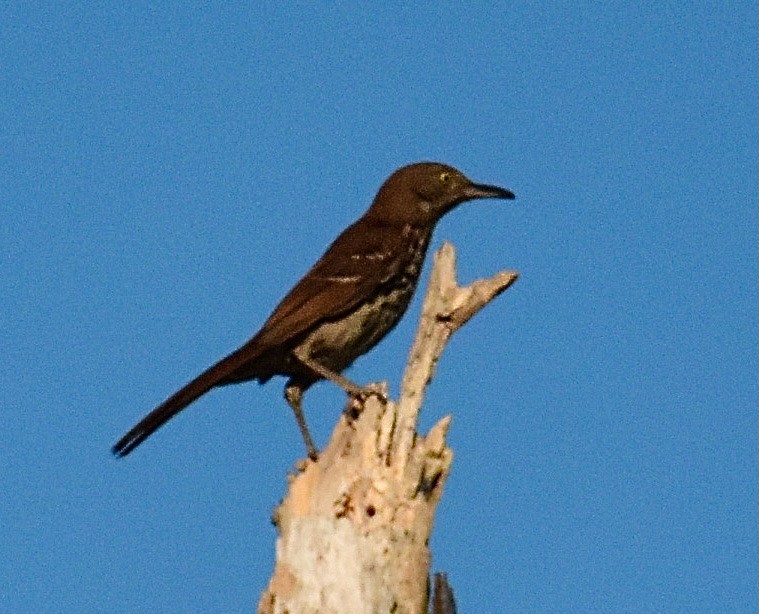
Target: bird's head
{"type": "Point", "coordinates": [421, 193]}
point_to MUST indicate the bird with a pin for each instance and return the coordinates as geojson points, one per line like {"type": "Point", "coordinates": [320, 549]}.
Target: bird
{"type": "Point", "coordinates": [344, 305]}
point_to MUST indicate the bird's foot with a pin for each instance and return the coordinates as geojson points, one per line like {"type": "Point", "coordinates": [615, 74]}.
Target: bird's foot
{"type": "Point", "coordinates": [358, 396]}
{"type": "Point", "coordinates": [302, 463]}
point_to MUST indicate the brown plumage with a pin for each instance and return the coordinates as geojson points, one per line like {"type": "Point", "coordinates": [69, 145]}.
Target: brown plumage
{"type": "Point", "coordinates": [350, 299]}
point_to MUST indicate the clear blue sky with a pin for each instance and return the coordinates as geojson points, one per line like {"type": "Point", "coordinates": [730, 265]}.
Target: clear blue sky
{"type": "Point", "coordinates": [168, 171]}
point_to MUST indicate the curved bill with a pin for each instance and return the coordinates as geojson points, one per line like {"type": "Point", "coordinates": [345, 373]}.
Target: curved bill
{"type": "Point", "coordinates": [481, 190]}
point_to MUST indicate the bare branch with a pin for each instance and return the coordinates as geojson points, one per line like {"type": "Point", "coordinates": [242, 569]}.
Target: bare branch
{"type": "Point", "coordinates": [447, 307]}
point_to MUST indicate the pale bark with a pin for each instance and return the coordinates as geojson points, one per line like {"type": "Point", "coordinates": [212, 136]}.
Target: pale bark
{"type": "Point", "coordinates": [354, 527]}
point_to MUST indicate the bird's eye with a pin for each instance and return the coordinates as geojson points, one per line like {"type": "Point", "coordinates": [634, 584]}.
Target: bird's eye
{"type": "Point", "coordinates": [445, 177]}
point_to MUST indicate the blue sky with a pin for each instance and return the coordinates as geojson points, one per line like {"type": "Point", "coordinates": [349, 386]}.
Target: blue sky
{"type": "Point", "coordinates": [168, 171]}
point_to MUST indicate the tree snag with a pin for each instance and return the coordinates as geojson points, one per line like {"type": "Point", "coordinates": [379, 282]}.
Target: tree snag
{"type": "Point", "coordinates": [354, 526]}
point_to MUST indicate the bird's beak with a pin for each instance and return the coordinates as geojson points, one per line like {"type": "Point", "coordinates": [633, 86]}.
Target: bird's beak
{"type": "Point", "coordinates": [481, 190]}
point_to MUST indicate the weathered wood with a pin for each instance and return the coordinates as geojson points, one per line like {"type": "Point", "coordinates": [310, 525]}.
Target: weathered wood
{"type": "Point", "coordinates": [354, 527]}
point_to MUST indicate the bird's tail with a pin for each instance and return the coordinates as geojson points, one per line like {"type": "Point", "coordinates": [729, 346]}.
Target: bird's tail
{"type": "Point", "coordinates": [217, 375]}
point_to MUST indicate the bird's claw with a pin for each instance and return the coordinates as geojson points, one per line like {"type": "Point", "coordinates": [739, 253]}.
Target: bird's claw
{"type": "Point", "coordinates": [372, 390]}
{"type": "Point", "coordinates": [357, 398]}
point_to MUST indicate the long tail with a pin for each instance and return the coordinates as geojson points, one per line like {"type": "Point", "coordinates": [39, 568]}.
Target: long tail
{"type": "Point", "coordinates": [216, 375]}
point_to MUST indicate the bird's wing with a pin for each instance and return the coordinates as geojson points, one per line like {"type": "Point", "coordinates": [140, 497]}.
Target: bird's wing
{"type": "Point", "coordinates": [355, 265]}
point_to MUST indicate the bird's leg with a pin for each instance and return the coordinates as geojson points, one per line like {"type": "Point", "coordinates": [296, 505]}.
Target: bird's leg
{"type": "Point", "coordinates": [355, 392]}
{"type": "Point", "coordinates": [322, 371]}
{"type": "Point", "coordinates": [293, 395]}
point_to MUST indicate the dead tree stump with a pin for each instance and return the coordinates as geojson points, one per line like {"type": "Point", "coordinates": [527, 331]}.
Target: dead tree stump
{"type": "Point", "coordinates": [354, 526]}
